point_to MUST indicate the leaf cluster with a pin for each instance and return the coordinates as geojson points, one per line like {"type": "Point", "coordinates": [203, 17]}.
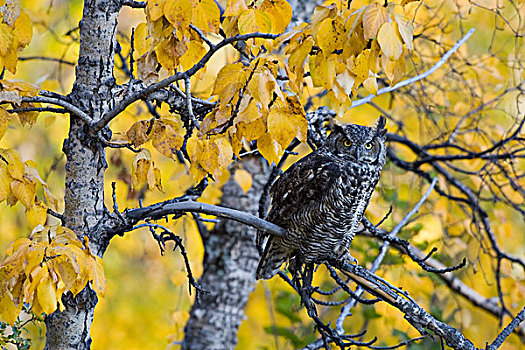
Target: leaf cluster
{"type": "Point", "coordinates": [38, 270]}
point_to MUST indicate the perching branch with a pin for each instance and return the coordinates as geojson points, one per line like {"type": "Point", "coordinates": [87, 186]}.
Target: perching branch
{"type": "Point", "coordinates": [160, 210]}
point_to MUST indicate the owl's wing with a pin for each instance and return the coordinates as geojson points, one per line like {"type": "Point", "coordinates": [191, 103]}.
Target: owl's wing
{"type": "Point", "coordinates": [307, 180]}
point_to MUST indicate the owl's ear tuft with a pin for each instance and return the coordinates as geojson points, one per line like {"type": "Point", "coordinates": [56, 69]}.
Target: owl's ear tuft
{"type": "Point", "coordinates": [339, 129]}
{"type": "Point", "coordinates": [380, 128]}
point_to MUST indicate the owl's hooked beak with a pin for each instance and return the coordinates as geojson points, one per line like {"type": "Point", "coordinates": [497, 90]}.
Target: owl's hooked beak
{"type": "Point", "coordinates": [355, 153]}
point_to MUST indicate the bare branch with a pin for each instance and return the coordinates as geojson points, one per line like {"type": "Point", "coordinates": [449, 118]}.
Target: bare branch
{"type": "Point", "coordinates": [345, 311]}
{"type": "Point", "coordinates": [458, 286]}
{"type": "Point", "coordinates": [507, 330]}
{"type": "Point", "coordinates": [189, 104]}
{"type": "Point", "coordinates": [144, 93]}
{"type": "Point", "coordinates": [159, 210]}
{"type": "Point", "coordinates": [418, 77]}
{"type": "Point", "coordinates": [74, 110]}
{"type": "Point", "coordinates": [414, 314]}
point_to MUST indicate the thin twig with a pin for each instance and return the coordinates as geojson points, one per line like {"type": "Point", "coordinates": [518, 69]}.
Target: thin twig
{"type": "Point", "coordinates": [144, 93]}
{"type": "Point", "coordinates": [189, 103]}
{"type": "Point", "coordinates": [412, 80]}
{"type": "Point", "coordinates": [43, 58]}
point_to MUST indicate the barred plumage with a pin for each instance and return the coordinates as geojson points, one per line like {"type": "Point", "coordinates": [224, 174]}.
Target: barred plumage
{"type": "Point", "coordinates": [321, 199]}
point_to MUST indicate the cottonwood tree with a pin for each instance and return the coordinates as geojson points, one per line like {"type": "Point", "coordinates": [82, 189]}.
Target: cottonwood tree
{"type": "Point", "coordinates": [456, 118]}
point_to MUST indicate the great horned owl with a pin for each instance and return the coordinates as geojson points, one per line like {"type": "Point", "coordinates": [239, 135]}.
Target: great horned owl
{"type": "Point", "coordinates": [321, 199]}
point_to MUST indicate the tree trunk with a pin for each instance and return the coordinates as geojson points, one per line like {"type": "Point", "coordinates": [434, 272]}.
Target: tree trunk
{"type": "Point", "coordinates": [229, 269]}
{"type": "Point", "coordinates": [86, 164]}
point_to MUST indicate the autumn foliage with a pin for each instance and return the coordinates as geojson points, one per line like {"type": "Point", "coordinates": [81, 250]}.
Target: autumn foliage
{"type": "Point", "coordinates": [204, 84]}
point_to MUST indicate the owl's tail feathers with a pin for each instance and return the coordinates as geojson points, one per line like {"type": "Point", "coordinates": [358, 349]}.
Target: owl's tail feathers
{"type": "Point", "coordinates": [271, 261]}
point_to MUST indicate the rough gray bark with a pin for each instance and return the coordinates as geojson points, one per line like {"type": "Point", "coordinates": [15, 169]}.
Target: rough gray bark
{"type": "Point", "coordinates": [86, 164]}
{"type": "Point", "coordinates": [229, 269]}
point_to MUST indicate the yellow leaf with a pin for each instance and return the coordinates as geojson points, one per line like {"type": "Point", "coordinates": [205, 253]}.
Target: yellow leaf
{"type": "Point", "coordinates": [269, 148]}
{"type": "Point", "coordinates": [406, 29]}
{"type": "Point", "coordinates": [254, 20]}
{"type": "Point", "coordinates": [23, 29]}
{"type": "Point", "coordinates": [146, 67]}
{"type": "Point", "coordinates": [24, 191]}
{"type": "Point", "coordinates": [197, 172]}
{"type": "Point", "coordinates": [298, 56]}
{"type": "Point", "coordinates": [30, 116]}
{"type": "Point", "coordinates": [244, 179]}
{"type": "Point", "coordinates": [155, 9]}
{"type": "Point", "coordinates": [208, 156]}
{"type": "Point", "coordinates": [373, 18]}
{"type": "Point", "coordinates": [345, 81]}
{"type": "Point", "coordinates": [165, 139]}
{"type": "Point", "coordinates": [10, 59]}
{"type": "Point", "coordinates": [158, 180]}
{"type": "Point", "coordinates": [322, 70]}
{"type": "Point", "coordinates": [262, 86]}
{"type": "Point", "coordinates": [15, 166]}
{"type": "Point", "coordinates": [46, 295]}
{"type": "Point", "coordinates": [252, 130]}
{"type": "Point", "coordinates": [24, 89]}
{"type": "Point", "coordinates": [359, 67]}
{"type": "Point", "coordinates": [34, 256]}
{"type": "Point", "coordinates": [322, 12]}
{"type": "Point", "coordinates": [370, 83]}
{"type": "Point", "coordinates": [67, 274]}
{"type": "Point", "coordinates": [281, 126]}
{"type": "Point", "coordinates": [329, 34]}
{"type": "Point", "coordinates": [96, 275]}
{"type": "Point", "coordinates": [206, 16]}
{"type": "Point", "coordinates": [169, 52]}
{"type": "Point", "coordinates": [249, 113]}
{"type": "Point", "coordinates": [138, 133]}
{"type": "Point", "coordinates": [5, 181]}
{"type": "Point", "coordinates": [389, 42]}
{"type": "Point", "coordinates": [235, 8]}
{"type": "Point", "coordinates": [298, 116]}
{"type": "Point", "coordinates": [180, 317]}
{"type": "Point", "coordinates": [52, 200]}
{"type": "Point", "coordinates": [228, 74]}
{"type": "Point", "coordinates": [178, 13]}
{"type": "Point", "coordinates": [5, 118]}
{"type": "Point", "coordinates": [10, 96]}
{"type": "Point", "coordinates": [9, 310]}
{"type": "Point", "coordinates": [280, 13]}
{"type": "Point", "coordinates": [36, 214]}
{"type": "Point", "coordinates": [6, 38]}
{"type": "Point", "coordinates": [142, 39]}
{"type": "Point", "coordinates": [193, 54]}
{"type": "Point", "coordinates": [225, 153]}
{"type": "Point", "coordinates": [142, 166]}
{"type": "Point", "coordinates": [179, 277]}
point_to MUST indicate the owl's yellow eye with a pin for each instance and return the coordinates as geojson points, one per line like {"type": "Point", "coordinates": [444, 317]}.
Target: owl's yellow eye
{"type": "Point", "coordinates": [348, 143]}
{"type": "Point", "coordinates": [368, 145]}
